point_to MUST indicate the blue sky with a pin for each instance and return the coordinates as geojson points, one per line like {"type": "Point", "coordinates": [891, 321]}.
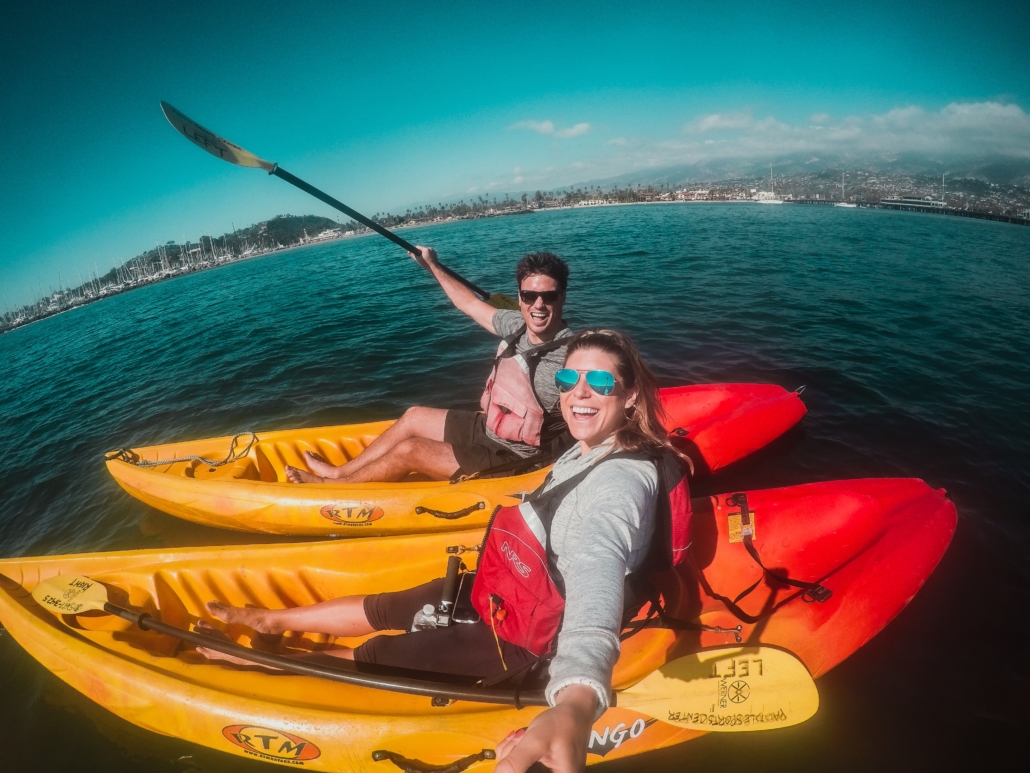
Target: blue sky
{"type": "Point", "coordinates": [387, 105]}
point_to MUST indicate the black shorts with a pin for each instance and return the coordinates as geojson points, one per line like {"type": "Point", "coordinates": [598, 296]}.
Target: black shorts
{"type": "Point", "coordinates": [461, 649]}
{"type": "Point", "coordinates": [474, 450]}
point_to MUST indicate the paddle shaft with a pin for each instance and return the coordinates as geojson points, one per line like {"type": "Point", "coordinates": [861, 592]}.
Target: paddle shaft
{"type": "Point", "coordinates": [393, 683]}
{"type": "Point", "coordinates": [282, 174]}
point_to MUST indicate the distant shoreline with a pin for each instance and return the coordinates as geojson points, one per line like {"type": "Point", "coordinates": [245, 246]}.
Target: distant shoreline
{"type": "Point", "coordinates": [971, 214]}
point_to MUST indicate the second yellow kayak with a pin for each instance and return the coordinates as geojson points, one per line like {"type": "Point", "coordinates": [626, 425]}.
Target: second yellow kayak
{"type": "Point", "coordinates": [871, 542]}
{"type": "Point", "coordinates": [717, 424]}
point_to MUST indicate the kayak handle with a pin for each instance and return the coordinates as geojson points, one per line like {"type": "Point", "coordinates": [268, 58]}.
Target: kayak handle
{"type": "Point", "coordinates": [451, 516]}
{"type": "Point", "coordinates": [417, 766]}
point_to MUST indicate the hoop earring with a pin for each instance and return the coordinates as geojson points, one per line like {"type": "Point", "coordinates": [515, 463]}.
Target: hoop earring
{"type": "Point", "coordinates": [631, 412]}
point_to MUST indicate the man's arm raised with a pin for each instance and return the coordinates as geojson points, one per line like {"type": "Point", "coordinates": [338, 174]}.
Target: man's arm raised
{"type": "Point", "coordinates": [463, 298]}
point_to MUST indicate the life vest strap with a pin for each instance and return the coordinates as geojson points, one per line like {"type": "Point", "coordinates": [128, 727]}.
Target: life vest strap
{"type": "Point", "coordinates": [658, 617]}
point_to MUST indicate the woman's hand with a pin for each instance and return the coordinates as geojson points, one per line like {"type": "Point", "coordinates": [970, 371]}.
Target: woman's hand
{"type": "Point", "coordinates": [557, 738]}
{"type": "Point", "coordinates": [426, 256]}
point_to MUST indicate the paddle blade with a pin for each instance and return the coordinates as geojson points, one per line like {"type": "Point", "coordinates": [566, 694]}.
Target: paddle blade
{"type": "Point", "coordinates": [730, 689]}
{"type": "Point", "coordinates": [70, 594]}
{"type": "Point", "coordinates": [211, 142]}
{"type": "Point", "coordinates": [502, 301]}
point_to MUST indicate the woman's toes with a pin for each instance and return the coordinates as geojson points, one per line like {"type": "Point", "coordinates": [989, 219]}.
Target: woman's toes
{"type": "Point", "coordinates": [223, 612]}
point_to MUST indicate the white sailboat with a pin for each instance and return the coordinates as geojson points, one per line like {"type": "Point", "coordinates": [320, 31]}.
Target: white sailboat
{"type": "Point", "coordinates": [843, 203]}
{"type": "Point", "coordinates": [769, 196]}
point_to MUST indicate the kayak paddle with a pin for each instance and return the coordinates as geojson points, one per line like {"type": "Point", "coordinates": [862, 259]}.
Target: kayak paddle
{"type": "Point", "coordinates": [234, 154]}
{"type": "Point", "coordinates": [729, 689]}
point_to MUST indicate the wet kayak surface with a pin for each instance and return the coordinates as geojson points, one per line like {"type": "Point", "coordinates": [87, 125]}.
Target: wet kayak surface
{"type": "Point", "coordinates": [908, 330]}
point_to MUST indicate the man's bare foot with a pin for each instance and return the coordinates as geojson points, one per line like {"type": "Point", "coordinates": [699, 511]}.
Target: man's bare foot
{"type": "Point", "coordinates": [295, 475]}
{"type": "Point", "coordinates": [261, 620]}
{"type": "Point", "coordinates": [320, 466]}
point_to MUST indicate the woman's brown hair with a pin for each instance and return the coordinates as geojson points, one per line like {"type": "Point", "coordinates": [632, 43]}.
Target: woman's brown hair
{"type": "Point", "coordinates": [643, 431]}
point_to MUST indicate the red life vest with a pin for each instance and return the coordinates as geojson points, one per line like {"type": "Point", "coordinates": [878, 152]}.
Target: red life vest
{"type": "Point", "coordinates": [518, 591]}
{"type": "Point", "coordinates": [512, 408]}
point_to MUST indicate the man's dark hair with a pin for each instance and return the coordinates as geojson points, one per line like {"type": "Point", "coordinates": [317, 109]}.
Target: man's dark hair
{"type": "Point", "coordinates": [546, 264]}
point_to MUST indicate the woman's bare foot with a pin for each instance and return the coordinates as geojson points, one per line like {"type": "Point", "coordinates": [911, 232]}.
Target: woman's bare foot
{"type": "Point", "coordinates": [205, 628]}
{"type": "Point", "coordinates": [296, 475]}
{"type": "Point", "coordinates": [261, 620]}
{"type": "Point", "coordinates": [320, 466]}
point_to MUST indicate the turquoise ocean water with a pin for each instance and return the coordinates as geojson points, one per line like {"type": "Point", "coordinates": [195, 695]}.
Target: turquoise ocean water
{"type": "Point", "coordinates": [909, 331]}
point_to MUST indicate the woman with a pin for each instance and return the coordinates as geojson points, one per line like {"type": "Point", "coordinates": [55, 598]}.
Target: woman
{"type": "Point", "coordinates": [600, 531]}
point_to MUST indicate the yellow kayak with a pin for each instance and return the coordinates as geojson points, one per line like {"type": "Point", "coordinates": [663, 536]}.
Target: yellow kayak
{"type": "Point", "coordinates": [717, 424]}
{"type": "Point", "coordinates": [871, 542]}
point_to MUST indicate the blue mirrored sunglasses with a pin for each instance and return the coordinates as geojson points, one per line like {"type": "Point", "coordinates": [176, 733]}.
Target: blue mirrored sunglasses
{"type": "Point", "coordinates": [601, 381]}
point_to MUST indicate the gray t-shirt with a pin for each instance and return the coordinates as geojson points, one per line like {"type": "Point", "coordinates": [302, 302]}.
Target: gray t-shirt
{"type": "Point", "coordinates": [506, 322]}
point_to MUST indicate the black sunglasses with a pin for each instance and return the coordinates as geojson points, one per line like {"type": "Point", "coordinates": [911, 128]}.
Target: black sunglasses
{"type": "Point", "coordinates": [550, 297]}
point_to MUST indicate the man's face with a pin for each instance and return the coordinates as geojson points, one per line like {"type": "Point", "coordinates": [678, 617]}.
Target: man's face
{"type": "Point", "coordinates": [542, 318]}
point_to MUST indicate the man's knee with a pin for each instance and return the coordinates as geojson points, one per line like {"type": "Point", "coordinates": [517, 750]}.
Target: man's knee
{"type": "Point", "coordinates": [414, 416]}
{"type": "Point", "coordinates": [421, 422]}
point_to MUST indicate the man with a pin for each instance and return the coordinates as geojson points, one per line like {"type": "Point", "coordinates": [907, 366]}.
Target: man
{"type": "Point", "coordinates": [521, 416]}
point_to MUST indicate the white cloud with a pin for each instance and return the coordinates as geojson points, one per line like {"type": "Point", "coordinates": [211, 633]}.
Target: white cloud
{"type": "Point", "coordinates": [970, 128]}
{"type": "Point", "coordinates": [540, 127]}
{"type": "Point", "coordinates": [720, 121]}
{"type": "Point", "coordinates": [573, 131]}
{"type": "Point", "coordinates": [547, 127]}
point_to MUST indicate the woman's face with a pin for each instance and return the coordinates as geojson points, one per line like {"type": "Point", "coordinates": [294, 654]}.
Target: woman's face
{"type": "Point", "coordinates": [592, 418]}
